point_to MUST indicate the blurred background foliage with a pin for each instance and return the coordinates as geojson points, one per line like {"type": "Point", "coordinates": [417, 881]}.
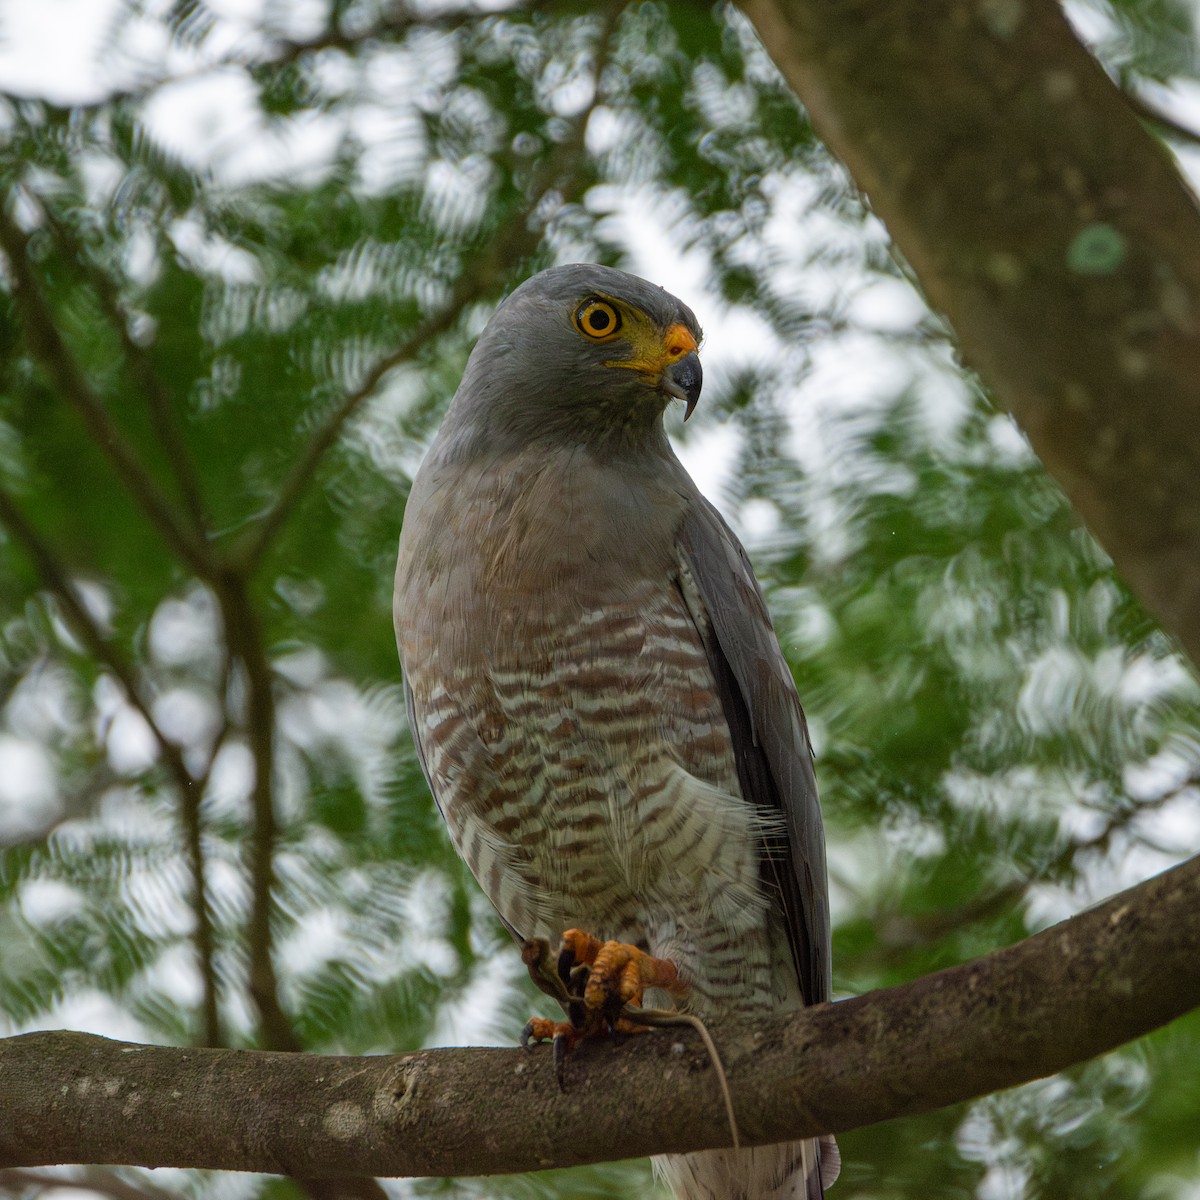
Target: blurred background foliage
{"type": "Point", "coordinates": [247, 247]}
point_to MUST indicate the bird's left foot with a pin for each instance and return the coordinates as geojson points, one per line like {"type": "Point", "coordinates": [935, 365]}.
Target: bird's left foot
{"type": "Point", "coordinates": [594, 981]}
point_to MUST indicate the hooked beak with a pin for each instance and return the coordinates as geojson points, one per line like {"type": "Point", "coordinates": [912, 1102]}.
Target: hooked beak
{"type": "Point", "coordinates": [670, 365]}
{"type": "Point", "coordinates": [683, 380]}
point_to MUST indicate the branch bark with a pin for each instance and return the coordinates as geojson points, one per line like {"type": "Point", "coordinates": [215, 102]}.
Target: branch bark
{"type": "Point", "coordinates": [1057, 998]}
{"type": "Point", "coordinates": [1052, 230]}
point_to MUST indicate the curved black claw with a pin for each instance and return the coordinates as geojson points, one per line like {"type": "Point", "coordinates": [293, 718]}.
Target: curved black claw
{"type": "Point", "coordinates": [574, 976]}
{"type": "Point", "coordinates": [535, 954]}
{"type": "Point", "coordinates": [527, 1036]}
{"type": "Point", "coordinates": [566, 962]}
{"type": "Point", "coordinates": [562, 1048]}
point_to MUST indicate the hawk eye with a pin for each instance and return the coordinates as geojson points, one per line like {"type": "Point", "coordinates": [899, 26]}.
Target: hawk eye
{"type": "Point", "coordinates": [597, 319]}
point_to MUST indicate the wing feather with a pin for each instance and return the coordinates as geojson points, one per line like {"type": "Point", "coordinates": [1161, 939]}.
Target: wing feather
{"type": "Point", "coordinates": [770, 735]}
{"type": "Point", "coordinates": [414, 728]}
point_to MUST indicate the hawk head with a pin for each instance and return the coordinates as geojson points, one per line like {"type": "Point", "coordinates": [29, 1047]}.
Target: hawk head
{"type": "Point", "coordinates": [580, 352]}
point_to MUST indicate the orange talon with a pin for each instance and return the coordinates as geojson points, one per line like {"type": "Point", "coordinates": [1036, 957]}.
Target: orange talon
{"type": "Point", "coordinates": [542, 1029]}
{"type": "Point", "coordinates": [582, 946]}
{"type": "Point", "coordinates": [594, 981]}
{"type": "Point", "coordinates": [624, 972]}
{"type": "Point", "coordinates": [564, 1037]}
{"type": "Point", "coordinates": [606, 976]}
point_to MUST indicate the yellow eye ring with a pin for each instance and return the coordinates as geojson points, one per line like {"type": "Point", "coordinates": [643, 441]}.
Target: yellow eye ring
{"type": "Point", "coordinates": [597, 320]}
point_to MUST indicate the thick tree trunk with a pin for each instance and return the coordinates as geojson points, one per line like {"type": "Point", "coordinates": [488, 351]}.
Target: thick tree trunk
{"type": "Point", "coordinates": [1052, 230]}
{"type": "Point", "coordinates": [1057, 998]}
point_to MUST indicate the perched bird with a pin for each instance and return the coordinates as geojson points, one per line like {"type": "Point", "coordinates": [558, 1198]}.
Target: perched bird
{"type": "Point", "coordinates": [596, 692]}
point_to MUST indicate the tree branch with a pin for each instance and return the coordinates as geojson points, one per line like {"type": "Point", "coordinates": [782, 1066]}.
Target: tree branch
{"type": "Point", "coordinates": [392, 26]}
{"type": "Point", "coordinates": [166, 427]}
{"type": "Point", "coordinates": [1052, 230]}
{"type": "Point", "coordinates": [55, 357]}
{"type": "Point", "coordinates": [900, 934]}
{"type": "Point", "coordinates": [512, 242]}
{"type": "Point", "coordinates": [1057, 998]}
{"type": "Point", "coordinates": [301, 474]}
{"type": "Point", "coordinates": [193, 840]}
{"type": "Point", "coordinates": [244, 638]}
{"type": "Point", "coordinates": [191, 790]}
{"type": "Point", "coordinates": [158, 402]}
{"type": "Point", "coordinates": [395, 22]}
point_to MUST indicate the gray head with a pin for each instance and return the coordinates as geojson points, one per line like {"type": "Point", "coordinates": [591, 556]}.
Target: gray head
{"type": "Point", "coordinates": [578, 352]}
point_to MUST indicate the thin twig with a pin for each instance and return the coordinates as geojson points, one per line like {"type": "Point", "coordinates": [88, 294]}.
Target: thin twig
{"type": "Point", "coordinates": [392, 26]}
{"type": "Point", "coordinates": [513, 241]}
{"type": "Point", "coordinates": [162, 412]}
{"type": "Point", "coordinates": [48, 346]}
{"type": "Point", "coordinates": [52, 352]}
{"type": "Point", "coordinates": [285, 52]}
{"type": "Point", "coordinates": [54, 576]}
{"type": "Point", "coordinates": [193, 835]}
{"type": "Point", "coordinates": [1120, 820]}
{"type": "Point", "coordinates": [298, 479]}
{"type": "Point", "coordinates": [899, 936]}
{"type": "Point", "coordinates": [244, 638]}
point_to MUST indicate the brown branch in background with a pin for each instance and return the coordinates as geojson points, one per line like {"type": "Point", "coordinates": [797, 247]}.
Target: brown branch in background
{"type": "Point", "coordinates": [210, 1017]}
{"type": "Point", "coordinates": [52, 353]}
{"type": "Point", "coordinates": [190, 799]}
{"type": "Point", "coordinates": [393, 25]}
{"type": "Point", "coordinates": [389, 28]}
{"type": "Point", "coordinates": [898, 935]}
{"type": "Point", "coordinates": [170, 436]}
{"type": "Point", "coordinates": [163, 417]}
{"type": "Point", "coordinates": [514, 241]}
{"type": "Point", "coordinates": [49, 348]}
{"type": "Point", "coordinates": [244, 638]}
{"type": "Point", "coordinates": [469, 288]}
{"type": "Point", "coordinates": [298, 479]}
{"type": "Point", "coordinates": [55, 578]}
{"type": "Point", "coordinates": [1101, 842]}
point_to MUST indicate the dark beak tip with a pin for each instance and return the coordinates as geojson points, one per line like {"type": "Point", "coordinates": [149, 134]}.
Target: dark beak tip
{"type": "Point", "coordinates": [688, 377]}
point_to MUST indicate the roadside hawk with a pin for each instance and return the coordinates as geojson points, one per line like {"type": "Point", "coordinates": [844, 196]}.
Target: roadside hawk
{"type": "Point", "coordinates": [596, 693]}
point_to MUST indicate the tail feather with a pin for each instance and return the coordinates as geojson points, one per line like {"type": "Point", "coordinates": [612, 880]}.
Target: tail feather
{"type": "Point", "coordinates": [787, 1171]}
{"type": "Point", "coordinates": [829, 1159]}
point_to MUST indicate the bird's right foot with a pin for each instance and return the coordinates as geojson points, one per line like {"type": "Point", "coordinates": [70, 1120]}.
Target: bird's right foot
{"type": "Point", "coordinates": [594, 981]}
